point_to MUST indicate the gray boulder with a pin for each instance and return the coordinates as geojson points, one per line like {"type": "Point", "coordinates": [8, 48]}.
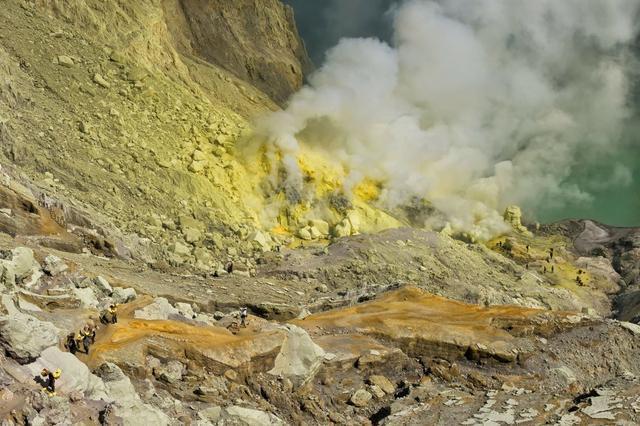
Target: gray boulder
{"type": "Point", "coordinates": [123, 295]}
{"type": "Point", "coordinates": [19, 266]}
{"type": "Point", "coordinates": [299, 358]}
{"type": "Point", "coordinates": [127, 403]}
{"type": "Point", "coordinates": [75, 377]}
{"type": "Point", "coordinates": [24, 337]}
{"type": "Point", "coordinates": [171, 372]}
{"type": "Point", "coordinates": [53, 265]}
{"type": "Point", "coordinates": [87, 298]}
{"type": "Point", "coordinates": [103, 285]}
{"type": "Point", "coordinates": [160, 309]}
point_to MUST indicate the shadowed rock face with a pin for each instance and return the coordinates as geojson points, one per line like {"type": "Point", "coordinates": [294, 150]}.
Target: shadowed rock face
{"type": "Point", "coordinates": [256, 40]}
{"type": "Point", "coordinates": [621, 246]}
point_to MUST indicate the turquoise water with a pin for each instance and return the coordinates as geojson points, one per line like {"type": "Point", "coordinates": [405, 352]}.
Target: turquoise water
{"type": "Point", "coordinates": [617, 206]}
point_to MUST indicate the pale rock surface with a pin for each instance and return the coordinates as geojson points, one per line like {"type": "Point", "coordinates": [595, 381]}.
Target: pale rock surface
{"type": "Point", "coordinates": [25, 337]}
{"type": "Point", "coordinates": [123, 295]}
{"type": "Point", "coordinates": [103, 285]}
{"type": "Point", "coordinates": [75, 377]}
{"type": "Point", "coordinates": [128, 405]}
{"type": "Point", "coordinates": [299, 358]}
{"type": "Point", "coordinates": [160, 309]}
{"type": "Point", "coordinates": [251, 417]}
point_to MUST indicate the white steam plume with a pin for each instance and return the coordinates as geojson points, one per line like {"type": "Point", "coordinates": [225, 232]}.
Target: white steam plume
{"type": "Point", "coordinates": [478, 105]}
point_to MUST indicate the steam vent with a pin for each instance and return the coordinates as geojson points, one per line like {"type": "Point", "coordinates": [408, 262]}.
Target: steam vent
{"type": "Point", "coordinates": [340, 212]}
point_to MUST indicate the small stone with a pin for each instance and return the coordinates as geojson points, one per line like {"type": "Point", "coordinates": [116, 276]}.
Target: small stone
{"type": "Point", "coordinates": [361, 398]}
{"type": "Point", "coordinates": [383, 383]}
{"type": "Point", "coordinates": [377, 392]}
{"type": "Point", "coordinates": [231, 375]}
{"type": "Point", "coordinates": [66, 61]}
{"type": "Point", "coordinates": [100, 81]}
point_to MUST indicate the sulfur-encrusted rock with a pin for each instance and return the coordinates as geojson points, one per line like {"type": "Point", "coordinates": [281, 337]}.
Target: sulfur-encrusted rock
{"type": "Point", "coordinates": [513, 216]}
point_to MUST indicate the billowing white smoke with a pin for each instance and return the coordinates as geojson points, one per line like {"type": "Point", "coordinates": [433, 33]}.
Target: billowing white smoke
{"type": "Point", "coordinates": [479, 104]}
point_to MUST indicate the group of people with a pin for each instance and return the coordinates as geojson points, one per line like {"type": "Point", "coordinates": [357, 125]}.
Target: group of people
{"type": "Point", "coordinates": [82, 340]}
{"type": "Point", "coordinates": [48, 380]}
{"type": "Point", "coordinates": [76, 342]}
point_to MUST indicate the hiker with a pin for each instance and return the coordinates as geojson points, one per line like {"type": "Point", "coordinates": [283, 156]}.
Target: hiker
{"type": "Point", "coordinates": [85, 334]}
{"type": "Point", "coordinates": [114, 314]}
{"type": "Point", "coordinates": [48, 380]}
{"type": "Point", "coordinates": [243, 317]}
{"type": "Point", "coordinates": [551, 253]}
{"type": "Point", "coordinates": [71, 344]}
{"type": "Point", "coordinates": [92, 336]}
{"type": "Point", "coordinates": [110, 316]}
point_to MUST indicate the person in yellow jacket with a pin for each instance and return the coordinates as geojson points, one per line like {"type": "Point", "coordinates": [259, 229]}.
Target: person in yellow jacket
{"type": "Point", "coordinates": [49, 380]}
{"type": "Point", "coordinates": [85, 337]}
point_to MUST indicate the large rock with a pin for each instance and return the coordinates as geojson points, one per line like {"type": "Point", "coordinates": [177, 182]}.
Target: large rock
{"type": "Point", "coordinates": [160, 309]}
{"type": "Point", "coordinates": [76, 376]}
{"type": "Point", "coordinates": [171, 372]}
{"type": "Point", "coordinates": [299, 358]}
{"type": "Point", "coordinates": [320, 225]}
{"type": "Point", "coordinates": [342, 229]}
{"type": "Point", "coordinates": [18, 266]}
{"type": "Point", "coordinates": [127, 403]}
{"type": "Point", "coordinates": [383, 383]}
{"type": "Point", "coordinates": [87, 297]}
{"type": "Point", "coordinates": [123, 295]}
{"type": "Point", "coordinates": [103, 285]}
{"type": "Point", "coordinates": [25, 337]}
{"type": "Point", "coordinates": [513, 216]}
{"type": "Point", "coordinates": [261, 240]}
{"type": "Point", "coordinates": [53, 265]}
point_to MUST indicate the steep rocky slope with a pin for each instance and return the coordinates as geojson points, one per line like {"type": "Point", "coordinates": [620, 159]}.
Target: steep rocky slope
{"type": "Point", "coordinates": [109, 111]}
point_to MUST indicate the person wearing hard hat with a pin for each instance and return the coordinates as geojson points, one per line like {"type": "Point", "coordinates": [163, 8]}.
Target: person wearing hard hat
{"type": "Point", "coordinates": [49, 380]}
{"type": "Point", "coordinates": [85, 333]}
{"type": "Point", "coordinates": [71, 344]}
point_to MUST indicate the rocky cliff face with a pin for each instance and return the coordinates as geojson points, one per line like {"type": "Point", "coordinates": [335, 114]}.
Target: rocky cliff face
{"type": "Point", "coordinates": [256, 40]}
{"type": "Point", "coordinates": [128, 114]}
